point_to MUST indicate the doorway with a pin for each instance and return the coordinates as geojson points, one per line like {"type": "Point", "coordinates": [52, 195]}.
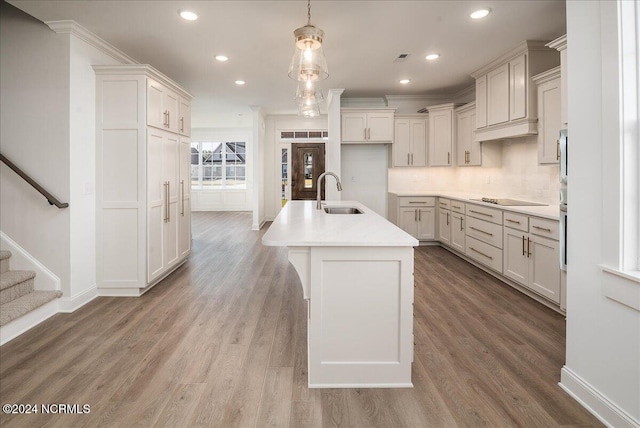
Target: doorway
{"type": "Point", "coordinates": [307, 163]}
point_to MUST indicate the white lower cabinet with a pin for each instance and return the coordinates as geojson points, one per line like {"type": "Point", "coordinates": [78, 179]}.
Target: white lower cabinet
{"type": "Point", "coordinates": [532, 260]}
{"type": "Point", "coordinates": [184, 218]}
{"type": "Point", "coordinates": [415, 215]}
{"type": "Point", "coordinates": [444, 226]}
{"type": "Point", "coordinates": [457, 231]}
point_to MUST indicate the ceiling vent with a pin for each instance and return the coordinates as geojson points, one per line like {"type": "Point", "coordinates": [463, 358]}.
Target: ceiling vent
{"type": "Point", "coordinates": [422, 110]}
{"type": "Point", "coordinates": [401, 58]}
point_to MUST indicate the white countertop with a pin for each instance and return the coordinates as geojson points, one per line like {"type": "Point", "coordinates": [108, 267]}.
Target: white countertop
{"type": "Point", "coordinates": [548, 211]}
{"type": "Point", "coordinates": [300, 224]}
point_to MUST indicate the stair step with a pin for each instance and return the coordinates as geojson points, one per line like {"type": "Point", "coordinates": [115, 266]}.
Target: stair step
{"type": "Point", "coordinates": [4, 261]}
{"type": "Point", "coordinates": [16, 291]}
{"type": "Point", "coordinates": [25, 304]}
{"type": "Point", "coordinates": [13, 277]}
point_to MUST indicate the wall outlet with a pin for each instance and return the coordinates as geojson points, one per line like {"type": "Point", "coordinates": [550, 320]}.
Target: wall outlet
{"type": "Point", "coordinates": [88, 188]}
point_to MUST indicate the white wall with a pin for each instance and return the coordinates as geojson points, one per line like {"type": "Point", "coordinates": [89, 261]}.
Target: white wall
{"type": "Point", "coordinates": [259, 129]}
{"type": "Point", "coordinates": [603, 336]}
{"type": "Point", "coordinates": [226, 199]}
{"type": "Point", "coordinates": [364, 175]}
{"type": "Point", "coordinates": [519, 176]}
{"type": "Point", "coordinates": [34, 134]}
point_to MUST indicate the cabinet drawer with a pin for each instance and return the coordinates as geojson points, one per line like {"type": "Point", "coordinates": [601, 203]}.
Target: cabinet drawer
{"type": "Point", "coordinates": [444, 204]}
{"type": "Point", "coordinates": [544, 227]}
{"type": "Point", "coordinates": [484, 253]}
{"type": "Point", "coordinates": [489, 214]}
{"type": "Point", "coordinates": [457, 206]}
{"type": "Point", "coordinates": [490, 233]}
{"type": "Point", "coordinates": [516, 221]}
{"type": "Point", "coordinates": [417, 201]}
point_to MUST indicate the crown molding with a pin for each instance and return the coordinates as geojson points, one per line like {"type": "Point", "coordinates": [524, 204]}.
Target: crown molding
{"type": "Point", "coordinates": [560, 43]}
{"type": "Point", "coordinates": [75, 29]}
{"type": "Point", "coordinates": [469, 90]}
{"type": "Point", "coordinates": [526, 46]}
{"type": "Point", "coordinates": [142, 69]}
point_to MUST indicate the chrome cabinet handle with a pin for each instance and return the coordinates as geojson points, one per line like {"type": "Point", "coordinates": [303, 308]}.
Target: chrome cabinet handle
{"type": "Point", "coordinates": [542, 228]}
{"type": "Point", "coordinates": [182, 192]}
{"type": "Point", "coordinates": [481, 253]}
{"type": "Point", "coordinates": [478, 212]}
{"type": "Point", "coordinates": [481, 231]}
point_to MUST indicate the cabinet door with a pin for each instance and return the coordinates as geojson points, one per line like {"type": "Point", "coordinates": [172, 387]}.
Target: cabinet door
{"type": "Point", "coordinates": [444, 227]}
{"type": "Point", "coordinates": [498, 95]}
{"type": "Point", "coordinates": [468, 151]}
{"type": "Point", "coordinates": [402, 143]}
{"type": "Point", "coordinates": [155, 114]}
{"type": "Point", "coordinates": [549, 121]}
{"type": "Point", "coordinates": [457, 231]}
{"type": "Point", "coordinates": [481, 102]}
{"type": "Point", "coordinates": [408, 221]}
{"type": "Point", "coordinates": [426, 223]}
{"type": "Point", "coordinates": [353, 126]}
{"type": "Point", "coordinates": [380, 126]}
{"type": "Point", "coordinates": [516, 261]}
{"type": "Point", "coordinates": [170, 104]}
{"type": "Point", "coordinates": [418, 142]}
{"type": "Point", "coordinates": [440, 137]}
{"type": "Point", "coordinates": [184, 228]}
{"type": "Point", "coordinates": [544, 271]}
{"type": "Point", "coordinates": [156, 212]}
{"type": "Point", "coordinates": [518, 87]}
{"type": "Point", "coordinates": [184, 123]}
{"type": "Point", "coordinates": [170, 176]}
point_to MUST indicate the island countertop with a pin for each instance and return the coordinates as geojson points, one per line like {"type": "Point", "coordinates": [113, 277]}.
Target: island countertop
{"type": "Point", "coordinates": [301, 224]}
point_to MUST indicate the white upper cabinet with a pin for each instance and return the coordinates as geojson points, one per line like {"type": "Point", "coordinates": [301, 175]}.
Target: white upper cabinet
{"type": "Point", "coordinates": [184, 123]}
{"type": "Point", "coordinates": [441, 134]}
{"type": "Point", "coordinates": [467, 150]}
{"type": "Point", "coordinates": [410, 142]}
{"type": "Point", "coordinates": [162, 107]}
{"type": "Point", "coordinates": [505, 95]}
{"type": "Point", "coordinates": [560, 44]}
{"type": "Point", "coordinates": [549, 115]}
{"type": "Point", "coordinates": [367, 125]}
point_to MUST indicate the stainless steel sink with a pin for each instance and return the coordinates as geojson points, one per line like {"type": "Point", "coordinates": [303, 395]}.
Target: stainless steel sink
{"type": "Point", "coordinates": [342, 210]}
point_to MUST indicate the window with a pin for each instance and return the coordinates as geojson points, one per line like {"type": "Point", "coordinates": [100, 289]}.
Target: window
{"type": "Point", "coordinates": [218, 165]}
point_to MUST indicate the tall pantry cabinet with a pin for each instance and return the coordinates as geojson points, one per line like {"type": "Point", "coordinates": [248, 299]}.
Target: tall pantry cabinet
{"type": "Point", "coordinates": [143, 146]}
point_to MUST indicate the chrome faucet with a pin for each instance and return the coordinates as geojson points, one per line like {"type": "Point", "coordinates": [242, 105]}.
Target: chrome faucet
{"type": "Point", "coordinates": [319, 186]}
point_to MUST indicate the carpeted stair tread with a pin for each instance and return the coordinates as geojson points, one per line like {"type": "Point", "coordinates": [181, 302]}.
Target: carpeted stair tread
{"type": "Point", "coordinates": [13, 277]}
{"type": "Point", "coordinates": [5, 255]}
{"type": "Point", "coordinates": [18, 307]}
{"type": "Point", "coordinates": [4, 261]}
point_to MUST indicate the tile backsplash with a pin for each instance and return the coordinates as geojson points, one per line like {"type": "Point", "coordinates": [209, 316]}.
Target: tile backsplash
{"type": "Point", "coordinates": [519, 177]}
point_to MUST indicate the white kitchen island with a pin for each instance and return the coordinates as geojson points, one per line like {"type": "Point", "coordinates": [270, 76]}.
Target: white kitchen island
{"type": "Point", "coordinates": [356, 272]}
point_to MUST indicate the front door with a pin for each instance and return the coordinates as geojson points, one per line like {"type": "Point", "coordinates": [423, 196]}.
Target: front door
{"type": "Point", "coordinates": [307, 163]}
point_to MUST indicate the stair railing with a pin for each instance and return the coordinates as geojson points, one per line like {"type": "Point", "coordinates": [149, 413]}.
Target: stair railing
{"type": "Point", "coordinates": [50, 198]}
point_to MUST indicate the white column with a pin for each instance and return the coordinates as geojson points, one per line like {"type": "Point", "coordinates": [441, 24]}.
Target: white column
{"type": "Point", "coordinates": [332, 159]}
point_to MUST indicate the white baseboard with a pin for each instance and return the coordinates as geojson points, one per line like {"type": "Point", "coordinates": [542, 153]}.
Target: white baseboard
{"type": "Point", "coordinates": [595, 402]}
{"type": "Point", "coordinates": [20, 325]}
{"type": "Point", "coordinates": [45, 280]}
{"type": "Point", "coordinates": [70, 304]}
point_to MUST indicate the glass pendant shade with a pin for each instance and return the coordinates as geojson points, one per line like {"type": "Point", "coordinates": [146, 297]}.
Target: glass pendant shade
{"type": "Point", "coordinates": [309, 110]}
{"type": "Point", "coordinates": [308, 63]}
{"type": "Point", "coordinates": [306, 93]}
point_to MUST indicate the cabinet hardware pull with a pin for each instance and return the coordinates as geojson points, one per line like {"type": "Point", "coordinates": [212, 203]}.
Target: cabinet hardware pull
{"type": "Point", "coordinates": [408, 157]}
{"type": "Point", "coordinates": [168, 196]}
{"type": "Point", "coordinates": [182, 124]}
{"type": "Point", "coordinates": [512, 221]}
{"type": "Point", "coordinates": [455, 206]}
{"type": "Point", "coordinates": [365, 133]}
{"type": "Point", "coordinates": [447, 219]}
{"type": "Point", "coordinates": [164, 118]}
{"type": "Point", "coordinates": [481, 231]}
{"type": "Point", "coordinates": [448, 158]}
{"type": "Point", "coordinates": [528, 247]}
{"type": "Point", "coordinates": [182, 192]}
{"type": "Point", "coordinates": [417, 202]}
{"type": "Point", "coordinates": [415, 215]}
{"type": "Point", "coordinates": [523, 245]}
{"type": "Point", "coordinates": [444, 204]}
{"type": "Point", "coordinates": [419, 215]}
{"type": "Point", "coordinates": [168, 119]}
{"type": "Point", "coordinates": [166, 200]}
{"type": "Point", "coordinates": [542, 228]}
{"type": "Point", "coordinates": [557, 149]}
{"type": "Point", "coordinates": [411, 158]}
{"type": "Point", "coordinates": [478, 212]}
{"type": "Point", "coordinates": [461, 223]}
{"type": "Point", "coordinates": [483, 254]}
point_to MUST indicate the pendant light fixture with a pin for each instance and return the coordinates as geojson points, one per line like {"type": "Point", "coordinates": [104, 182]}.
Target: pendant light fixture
{"type": "Point", "coordinates": [309, 99]}
{"type": "Point", "coordinates": [308, 63]}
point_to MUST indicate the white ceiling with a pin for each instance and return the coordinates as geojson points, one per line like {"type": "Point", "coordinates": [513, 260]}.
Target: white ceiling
{"type": "Point", "coordinates": [362, 38]}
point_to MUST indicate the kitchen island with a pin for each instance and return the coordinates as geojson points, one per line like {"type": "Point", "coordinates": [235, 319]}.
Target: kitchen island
{"type": "Point", "coordinates": [356, 272]}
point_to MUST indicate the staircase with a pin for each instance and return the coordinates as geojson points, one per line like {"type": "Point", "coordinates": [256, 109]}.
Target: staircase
{"type": "Point", "coordinates": [17, 296]}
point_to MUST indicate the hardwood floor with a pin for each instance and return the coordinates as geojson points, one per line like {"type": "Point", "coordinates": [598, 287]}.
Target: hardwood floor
{"type": "Point", "coordinates": [222, 343]}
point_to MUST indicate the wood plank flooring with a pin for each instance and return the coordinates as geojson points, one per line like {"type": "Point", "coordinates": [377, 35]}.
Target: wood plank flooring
{"type": "Point", "coordinates": [222, 343]}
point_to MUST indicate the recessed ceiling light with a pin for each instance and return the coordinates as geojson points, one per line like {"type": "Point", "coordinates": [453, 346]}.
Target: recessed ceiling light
{"type": "Point", "coordinates": [221, 58]}
{"type": "Point", "coordinates": [188, 15]}
{"type": "Point", "coordinates": [405, 81]}
{"type": "Point", "coordinates": [480, 13]}
{"type": "Point", "coordinates": [240, 82]}
{"type": "Point", "coordinates": [431, 57]}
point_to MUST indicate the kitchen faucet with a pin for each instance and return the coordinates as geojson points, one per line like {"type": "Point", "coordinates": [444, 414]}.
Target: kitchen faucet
{"type": "Point", "coordinates": [319, 186]}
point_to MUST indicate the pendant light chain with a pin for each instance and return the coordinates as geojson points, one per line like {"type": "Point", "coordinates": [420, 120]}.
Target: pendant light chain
{"type": "Point", "coordinates": [308, 12]}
